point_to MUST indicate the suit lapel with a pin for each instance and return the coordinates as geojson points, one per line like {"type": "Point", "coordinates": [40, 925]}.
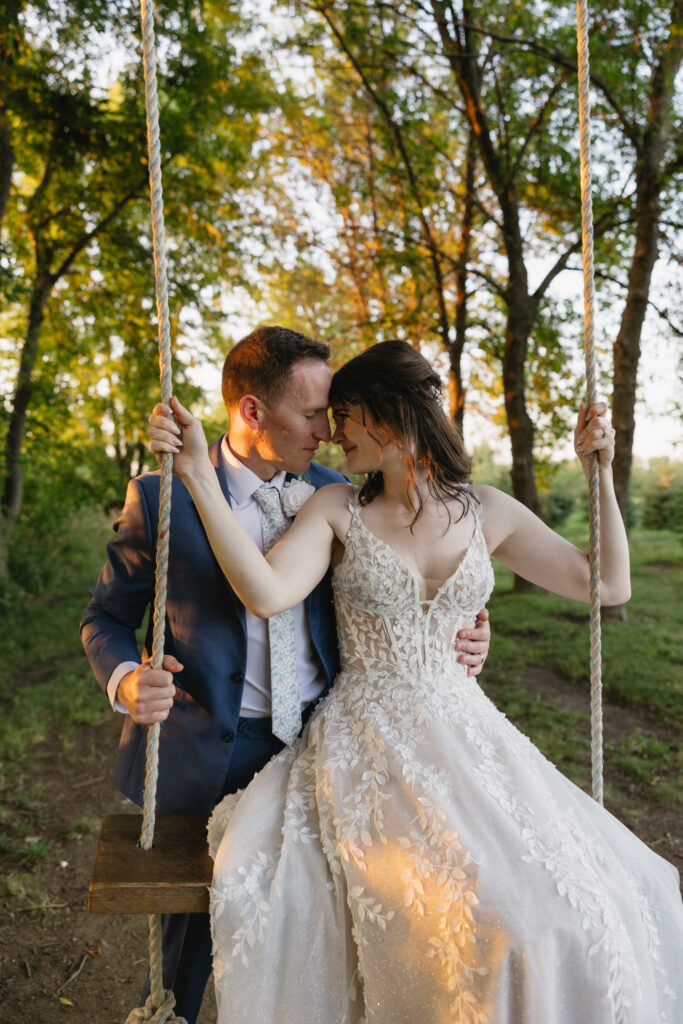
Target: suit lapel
{"type": "Point", "coordinates": [215, 457]}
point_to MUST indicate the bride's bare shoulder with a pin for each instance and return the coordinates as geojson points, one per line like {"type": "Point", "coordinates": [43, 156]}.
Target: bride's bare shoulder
{"type": "Point", "coordinates": [331, 501]}
{"type": "Point", "coordinates": [335, 494]}
{"type": "Point", "coordinates": [488, 497]}
{"type": "Point", "coordinates": [496, 508]}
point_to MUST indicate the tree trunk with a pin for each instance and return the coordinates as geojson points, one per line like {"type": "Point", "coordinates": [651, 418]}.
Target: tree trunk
{"type": "Point", "coordinates": [521, 313]}
{"type": "Point", "coordinates": [627, 347]}
{"type": "Point", "coordinates": [627, 344]}
{"type": "Point", "coordinates": [6, 161]}
{"type": "Point", "coordinates": [8, 44]}
{"type": "Point", "coordinates": [649, 184]}
{"type": "Point", "coordinates": [14, 479]}
{"type": "Point", "coordinates": [460, 51]}
{"type": "Point", "coordinates": [5, 531]}
{"type": "Point", "coordinates": [519, 422]}
{"type": "Point", "coordinates": [520, 318]}
{"type": "Point", "coordinates": [456, 388]}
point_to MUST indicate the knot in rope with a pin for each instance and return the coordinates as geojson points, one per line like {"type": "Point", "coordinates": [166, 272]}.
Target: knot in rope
{"type": "Point", "coordinates": [162, 1014]}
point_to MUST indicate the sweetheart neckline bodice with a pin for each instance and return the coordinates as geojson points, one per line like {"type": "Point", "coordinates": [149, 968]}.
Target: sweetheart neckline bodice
{"type": "Point", "coordinates": [416, 577]}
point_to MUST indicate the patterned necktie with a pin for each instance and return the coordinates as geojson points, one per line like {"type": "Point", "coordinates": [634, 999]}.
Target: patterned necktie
{"type": "Point", "coordinates": [286, 708]}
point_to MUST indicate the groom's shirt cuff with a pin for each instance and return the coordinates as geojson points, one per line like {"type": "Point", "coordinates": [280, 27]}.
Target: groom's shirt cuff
{"type": "Point", "coordinates": [113, 684]}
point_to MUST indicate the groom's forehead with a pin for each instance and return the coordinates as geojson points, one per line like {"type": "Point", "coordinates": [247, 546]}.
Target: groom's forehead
{"type": "Point", "coordinates": [308, 383]}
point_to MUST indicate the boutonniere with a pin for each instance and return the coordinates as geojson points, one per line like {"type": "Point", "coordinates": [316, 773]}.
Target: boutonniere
{"type": "Point", "coordinates": [294, 494]}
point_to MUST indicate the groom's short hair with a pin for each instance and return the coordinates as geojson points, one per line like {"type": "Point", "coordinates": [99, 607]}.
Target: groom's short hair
{"type": "Point", "coordinates": [261, 363]}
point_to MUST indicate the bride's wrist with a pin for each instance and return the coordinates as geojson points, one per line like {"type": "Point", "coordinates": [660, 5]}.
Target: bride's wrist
{"type": "Point", "coordinates": [198, 474]}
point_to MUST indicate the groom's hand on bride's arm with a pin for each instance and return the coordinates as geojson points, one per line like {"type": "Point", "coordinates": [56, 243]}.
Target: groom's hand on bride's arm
{"type": "Point", "coordinates": [147, 693]}
{"type": "Point", "coordinates": [474, 644]}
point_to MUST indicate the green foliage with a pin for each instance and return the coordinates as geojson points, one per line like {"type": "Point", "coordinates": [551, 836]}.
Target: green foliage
{"type": "Point", "coordinates": [562, 488]}
{"type": "Point", "coordinates": [26, 887]}
{"type": "Point", "coordinates": [486, 470]}
{"type": "Point", "coordinates": [76, 259]}
{"type": "Point", "coordinates": [35, 848]}
{"type": "Point", "coordinates": [51, 549]}
{"type": "Point", "coordinates": [663, 505]}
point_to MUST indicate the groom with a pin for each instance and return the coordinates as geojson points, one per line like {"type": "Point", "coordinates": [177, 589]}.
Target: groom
{"type": "Point", "coordinates": [217, 730]}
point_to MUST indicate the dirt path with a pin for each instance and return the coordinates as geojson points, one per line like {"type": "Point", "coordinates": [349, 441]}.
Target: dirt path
{"type": "Point", "coordinates": [60, 964]}
{"type": "Point", "coordinates": [40, 950]}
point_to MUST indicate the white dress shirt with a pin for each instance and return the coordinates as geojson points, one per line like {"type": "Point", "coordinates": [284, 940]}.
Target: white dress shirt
{"type": "Point", "coordinates": [311, 681]}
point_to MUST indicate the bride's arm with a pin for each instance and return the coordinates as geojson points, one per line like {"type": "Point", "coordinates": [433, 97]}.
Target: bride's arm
{"type": "Point", "coordinates": [294, 566]}
{"type": "Point", "coordinates": [532, 550]}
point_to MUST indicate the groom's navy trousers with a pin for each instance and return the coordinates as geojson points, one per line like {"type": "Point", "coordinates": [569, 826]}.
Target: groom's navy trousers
{"type": "Point", "coordinates": [202, 752]}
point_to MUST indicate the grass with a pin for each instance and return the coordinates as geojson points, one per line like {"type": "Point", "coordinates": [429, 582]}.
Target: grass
{"type": "Point", "coordinates": [83, 827]}
{"type": "Point", "coordinates": [642, 658]}
{"type": "Point", "coordinates": [24, 885]}
{"type": "Point", "coordinates": [642, 665]}
{"type": "Point", "coordinates": [651, 761]}
{"type": "Point", "coordinates": [46, 686]}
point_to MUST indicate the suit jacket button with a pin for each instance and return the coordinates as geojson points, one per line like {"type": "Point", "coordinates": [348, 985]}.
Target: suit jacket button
{"type": "Point", "coordinates": [227, 736]}
{"type": "Point", "coordinates": [236, 678]}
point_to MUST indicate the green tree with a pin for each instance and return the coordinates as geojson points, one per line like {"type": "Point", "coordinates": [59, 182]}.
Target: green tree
{"type": "Point", "coordinates": [395, 256]}
{"type": "Point", "coordinates": [504, 78]}
{"type": "Point", "coordinates": [74, 210]}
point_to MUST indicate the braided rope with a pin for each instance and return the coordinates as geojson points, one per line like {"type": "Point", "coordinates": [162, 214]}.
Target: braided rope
{"type": "Point", "coordinates": [160, 1002]}
{"type": "Point", "coordinates": [591, 397]}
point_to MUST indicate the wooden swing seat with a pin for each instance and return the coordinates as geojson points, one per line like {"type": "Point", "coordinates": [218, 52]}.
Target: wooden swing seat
{"type": "Point", "coordinates": [171, 878]}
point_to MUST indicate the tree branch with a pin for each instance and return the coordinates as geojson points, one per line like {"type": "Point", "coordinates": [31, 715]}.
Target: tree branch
{"type": "Point", "coordinates": [412, 179]}
{"type": "Point", "coordinates": [88, 236]}
{"type": "Point", "coordinates": [630, 129]}
{"type": "Point", "coordinates": [662, 314]}
{"type": "Point", "coordinates": [536, 123]}
{"type": "Point", "coordinates": [599, 227]}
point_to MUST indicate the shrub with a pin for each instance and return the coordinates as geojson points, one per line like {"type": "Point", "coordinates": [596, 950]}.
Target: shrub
{"type": "Point", "coordinates": [663, 505]}
{"type": "Point", "coordinates": [557, 506]}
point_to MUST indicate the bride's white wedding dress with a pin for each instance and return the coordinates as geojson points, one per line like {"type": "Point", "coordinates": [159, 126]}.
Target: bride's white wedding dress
{"type": "Point", "coordinates": [414, 859]}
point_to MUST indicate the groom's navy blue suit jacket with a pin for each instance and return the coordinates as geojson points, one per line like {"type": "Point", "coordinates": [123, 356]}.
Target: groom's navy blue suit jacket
{"type": "Point", "coordinates": [205, 630]}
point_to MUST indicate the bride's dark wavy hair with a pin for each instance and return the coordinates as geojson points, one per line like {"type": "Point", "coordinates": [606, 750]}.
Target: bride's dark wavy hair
{"type": "Point", "coordinates": [402, 393]}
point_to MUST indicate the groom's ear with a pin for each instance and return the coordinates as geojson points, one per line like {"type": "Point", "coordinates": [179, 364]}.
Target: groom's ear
{"type": "Point", "coordinates": [251, 411]}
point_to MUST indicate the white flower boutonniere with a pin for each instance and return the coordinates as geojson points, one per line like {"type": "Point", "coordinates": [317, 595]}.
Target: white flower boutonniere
{"type": "Point", "coordinates": [295, 494]}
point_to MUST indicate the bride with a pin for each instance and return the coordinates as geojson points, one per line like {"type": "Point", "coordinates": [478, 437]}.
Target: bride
{"type": "Point", "coordinates": [413, 857]}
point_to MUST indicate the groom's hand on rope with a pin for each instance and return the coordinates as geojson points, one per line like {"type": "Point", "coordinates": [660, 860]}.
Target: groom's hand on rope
{"type": "Point", "coordinates": [147, 693]}
{"type": "Point", "coordinates": [474, 644]}
{"type": "Point", "coordinates": [177, 431]}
